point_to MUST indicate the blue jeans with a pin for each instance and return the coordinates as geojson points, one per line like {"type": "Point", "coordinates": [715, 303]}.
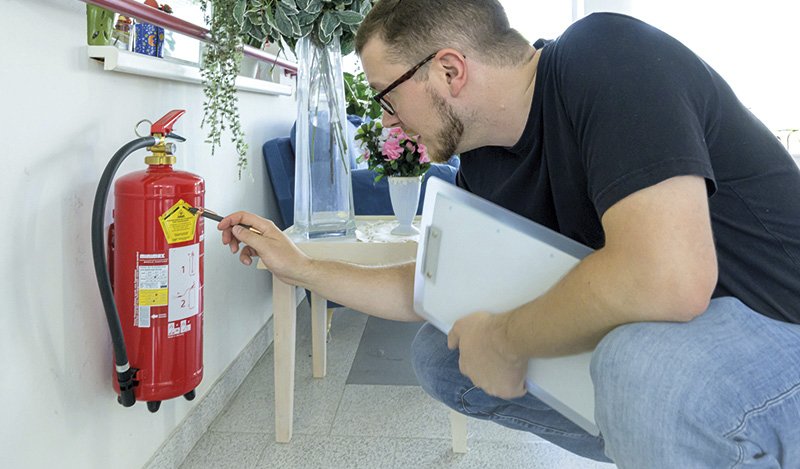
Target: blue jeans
{"type": "Point", "coordinates": [721, 391]}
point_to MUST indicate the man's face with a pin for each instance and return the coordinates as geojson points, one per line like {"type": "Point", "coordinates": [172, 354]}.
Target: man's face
{"type": "Point", "coordinates": [419, 107]}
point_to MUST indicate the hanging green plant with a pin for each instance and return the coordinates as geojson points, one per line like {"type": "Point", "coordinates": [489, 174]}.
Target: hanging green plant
{"type": "Point", "coordinates": [221, 61]}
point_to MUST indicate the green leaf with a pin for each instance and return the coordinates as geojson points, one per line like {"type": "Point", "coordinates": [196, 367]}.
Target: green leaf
{"type": "Point", "coordinates": [282, 22]}
{"type": "Point", "coordinates": [305, 30]}
{"type": "Point", "coordinates": [323, 39]}
{"type": "Point", "coordinates": [314, 7]}
{"type": "Point", "coordinates": [302, 4]}
{"type": "Point", "coordinates": [305, 18]}
{"type": "Point", "coordinates": [255, 18]}
{"type": "Point", "coordinates": [328, 24]}
{"type": "Point", "coordinates": [269, 17]}
{"type": "Point", "coordinates": [290, 6]}
{"type": "Point", "coordinates": [238, 11]}
{"type": "Point", "coordinates": [348, 46]}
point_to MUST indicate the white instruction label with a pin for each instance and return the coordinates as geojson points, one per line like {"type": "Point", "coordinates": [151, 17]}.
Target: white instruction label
{"type": "Point", "coordinates": [151, 286]}
{"type": "Point", "coordinates": [143, 317]}
{"type": "Point", "coordinates": [184, 282]}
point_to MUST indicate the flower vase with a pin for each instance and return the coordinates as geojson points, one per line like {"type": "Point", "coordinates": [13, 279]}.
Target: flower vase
{"type": "Point", "coordinates": [323, 193]}
{"type": "Point", "coordinates": [404, 194]}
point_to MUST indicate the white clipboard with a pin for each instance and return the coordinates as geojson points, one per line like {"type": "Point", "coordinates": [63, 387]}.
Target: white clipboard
{"type": "Point", "coordinates": [474, 256]}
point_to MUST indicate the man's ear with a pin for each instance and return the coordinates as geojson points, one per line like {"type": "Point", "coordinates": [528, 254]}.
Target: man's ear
{"type": "Point", "coordinates": [454, 65]}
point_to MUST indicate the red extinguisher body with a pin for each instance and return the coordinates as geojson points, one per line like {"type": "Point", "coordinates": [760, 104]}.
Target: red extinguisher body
{"type": "Point", "coordinates": [157, 277]}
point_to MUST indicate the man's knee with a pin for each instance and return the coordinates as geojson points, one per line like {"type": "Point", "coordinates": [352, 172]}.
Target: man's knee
{"type": "Point", "coordinates": [435, 365]}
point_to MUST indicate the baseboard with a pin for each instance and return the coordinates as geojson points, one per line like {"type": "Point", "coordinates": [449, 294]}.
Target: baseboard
{"type": "Point", "coordinates": [172, 453]}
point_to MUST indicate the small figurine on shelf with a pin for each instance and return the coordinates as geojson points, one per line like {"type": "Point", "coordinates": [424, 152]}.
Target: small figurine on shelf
{"type": "Point", "coordinates": [122, 33]}
{"type": "Point", "coordinates": [149, 37]}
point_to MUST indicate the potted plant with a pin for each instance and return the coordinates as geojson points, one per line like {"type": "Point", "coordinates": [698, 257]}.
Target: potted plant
{"type": "Point", "coordinates": [399, 157]}
{"type": "Point", "coordinates": [319, 32]}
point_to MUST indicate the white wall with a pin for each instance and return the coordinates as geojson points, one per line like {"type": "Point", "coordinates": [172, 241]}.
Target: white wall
{"type": "Point", "coordinates": [62, 118]}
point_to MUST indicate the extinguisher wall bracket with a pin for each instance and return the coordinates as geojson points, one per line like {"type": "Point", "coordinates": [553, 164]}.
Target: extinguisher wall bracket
{"type": "Point", "coordinates": [127, 383]}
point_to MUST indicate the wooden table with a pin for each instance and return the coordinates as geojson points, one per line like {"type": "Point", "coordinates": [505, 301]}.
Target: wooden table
{"type": "Point", "coordinates": [284, 310]}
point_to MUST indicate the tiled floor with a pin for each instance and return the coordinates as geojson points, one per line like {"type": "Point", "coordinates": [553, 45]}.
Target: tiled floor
{"type": "Point", "coordinates": [337, 425]}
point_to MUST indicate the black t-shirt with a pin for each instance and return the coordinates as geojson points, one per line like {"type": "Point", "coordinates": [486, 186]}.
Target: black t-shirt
{"type": "Point", "coordinates": [619, 106]}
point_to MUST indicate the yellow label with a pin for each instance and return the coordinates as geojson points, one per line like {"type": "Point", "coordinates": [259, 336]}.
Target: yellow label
{"type": "Point", "coordinates": [154, 297]}
{"type": "Point", "coordinates": [178, 223]}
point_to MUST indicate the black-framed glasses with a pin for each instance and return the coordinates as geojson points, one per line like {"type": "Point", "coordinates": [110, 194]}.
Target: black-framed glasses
{"type": "Point", "coordinates": [381, 97]}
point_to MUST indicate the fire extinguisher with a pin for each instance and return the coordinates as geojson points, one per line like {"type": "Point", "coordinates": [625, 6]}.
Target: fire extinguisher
{"type": "Point", "coordinates": [152, 282]}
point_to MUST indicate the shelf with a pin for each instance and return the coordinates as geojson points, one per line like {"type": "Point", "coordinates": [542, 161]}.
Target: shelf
{"type": "Point", "coordinates": [119, 60]}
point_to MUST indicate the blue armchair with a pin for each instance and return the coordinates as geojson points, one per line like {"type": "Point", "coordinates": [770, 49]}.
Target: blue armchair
{"type": "Point", "coordinates": [369, 197]}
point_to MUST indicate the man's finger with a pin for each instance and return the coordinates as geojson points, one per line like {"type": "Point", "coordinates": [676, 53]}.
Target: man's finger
{"type": "Point", "coordinates": [246, 218]}
{"type": "Point", "coordinates": [247, 254]}
{"type": "Point", "coordinates": [452, 339]}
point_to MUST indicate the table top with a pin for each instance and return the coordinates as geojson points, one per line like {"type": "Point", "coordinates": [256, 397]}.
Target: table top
{"type": "Point", "coordinates": [372, 244]}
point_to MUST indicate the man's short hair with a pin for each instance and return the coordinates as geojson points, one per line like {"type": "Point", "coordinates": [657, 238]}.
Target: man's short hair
{"type": "Point", "coordinates": [413, 29]}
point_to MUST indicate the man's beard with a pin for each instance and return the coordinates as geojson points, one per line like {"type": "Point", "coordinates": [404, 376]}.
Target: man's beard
{"type": "Point", "coordinates": [449, 136]}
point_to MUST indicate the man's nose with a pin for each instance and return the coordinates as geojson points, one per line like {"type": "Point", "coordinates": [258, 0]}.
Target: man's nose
{"type": "Point", "coordinates": [388, 120]}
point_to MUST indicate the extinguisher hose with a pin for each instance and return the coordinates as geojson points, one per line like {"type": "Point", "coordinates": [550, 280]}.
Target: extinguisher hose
{"type": "Point", "coordinates": [125, 374]}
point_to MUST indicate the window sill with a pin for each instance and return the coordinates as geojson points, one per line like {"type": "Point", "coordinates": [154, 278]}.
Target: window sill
{"type": "Point", "coordinates": [118, 60]}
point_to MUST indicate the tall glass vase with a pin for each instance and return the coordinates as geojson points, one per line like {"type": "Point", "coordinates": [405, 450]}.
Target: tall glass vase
{"type": "Point", "coordinates": [323, 194]}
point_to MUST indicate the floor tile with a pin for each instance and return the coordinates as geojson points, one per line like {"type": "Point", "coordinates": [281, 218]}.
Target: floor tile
{"type": "Point", "coordinates": [390, 411]}
{"type": "Point", "coordinates": [432, 453]}
{"type": "Point", "coordinates": [310, 452]}
{"type": "Point", "coordinates": [222, 450]}
{"type": "Point", "coordinates": [384, 354]}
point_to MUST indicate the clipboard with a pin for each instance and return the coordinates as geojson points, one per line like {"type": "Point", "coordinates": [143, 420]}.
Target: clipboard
{"type": "Point", "coordinates": [474, 256]}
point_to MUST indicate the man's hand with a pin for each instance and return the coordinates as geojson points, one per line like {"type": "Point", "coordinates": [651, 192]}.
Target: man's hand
{"type": "Point", "coordinates": [275, 249]}
{"type": "Point", "coordinates": [484, 356]}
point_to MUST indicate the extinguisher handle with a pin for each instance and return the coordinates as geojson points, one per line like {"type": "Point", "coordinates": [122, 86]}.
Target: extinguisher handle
{"type": "Point", "coordinates": [164, 125]}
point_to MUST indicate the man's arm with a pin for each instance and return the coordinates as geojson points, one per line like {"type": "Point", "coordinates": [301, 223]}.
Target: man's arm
{"type": "Point", "coordinates": [658, 264]}
{"type": "Point", "coordinates": [386, 291]}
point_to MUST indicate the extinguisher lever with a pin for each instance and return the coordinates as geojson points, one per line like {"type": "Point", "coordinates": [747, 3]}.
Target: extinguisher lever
{"type": "Point", "coordinates": [164, 125]}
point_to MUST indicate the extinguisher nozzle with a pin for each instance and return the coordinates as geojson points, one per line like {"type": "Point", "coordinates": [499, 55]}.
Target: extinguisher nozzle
{"type": "Point", "coordinates": [127, 382]}
{"type": "Point", "coordinates": [176, 137]}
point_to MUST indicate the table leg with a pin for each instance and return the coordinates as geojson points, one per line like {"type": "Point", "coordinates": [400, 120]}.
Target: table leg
{"type": "Point", "coordinates": [458, 431]}
{"type": "Point", "coordinates": [284, 314]}
{"type": "Point", "coordinates": [319, 332]}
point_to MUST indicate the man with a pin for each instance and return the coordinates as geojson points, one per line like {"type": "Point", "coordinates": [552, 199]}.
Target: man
{"type": "Point", "coordinates": [619, 137]}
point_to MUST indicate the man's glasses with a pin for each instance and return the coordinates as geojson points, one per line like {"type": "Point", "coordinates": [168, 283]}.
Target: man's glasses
{"type": "Point", "coordinates": [381, 97]}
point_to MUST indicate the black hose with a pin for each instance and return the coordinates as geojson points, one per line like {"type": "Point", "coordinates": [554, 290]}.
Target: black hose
{"type": "Point", "coordinates": [125, 374]}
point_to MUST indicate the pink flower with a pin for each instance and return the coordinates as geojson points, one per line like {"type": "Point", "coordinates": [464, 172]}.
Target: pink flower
{"type": "Point", "coordinates": [392, 149]}
{"type": "Point", "coordinates": [365, 156]}
{"type": "Point", "coordinates": [423, 154]}
{"type": "Point", "coordinates": [396, 132]}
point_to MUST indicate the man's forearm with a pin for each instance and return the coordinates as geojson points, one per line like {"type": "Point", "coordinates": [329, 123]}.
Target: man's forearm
{"type": "Point", "coordinates": [382, 291]}
{"type": "Point", "coordinates": [599, 294]}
